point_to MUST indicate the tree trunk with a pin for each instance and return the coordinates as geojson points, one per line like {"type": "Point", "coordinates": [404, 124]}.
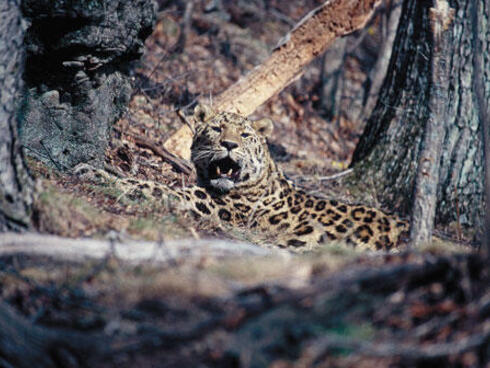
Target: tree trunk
{"type": "Point", "coordinates": [15, 182]}
{"type": "Point", "coordinates": [330, 78]}
{"type": "Point", "coordinates": [21, 344]}
{"type": "Point", "coordinates": [484, 115]}
{"type": "Point", "coordinates": [389, 149]}
{"type": "Point", "coordinates": [427, 177]}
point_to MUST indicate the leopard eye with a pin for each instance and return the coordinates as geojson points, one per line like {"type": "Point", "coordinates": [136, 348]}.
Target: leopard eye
{"type": "Point", "coordinates": [216, 129]}
{"type": "Point", "coordinates": [245, 135]}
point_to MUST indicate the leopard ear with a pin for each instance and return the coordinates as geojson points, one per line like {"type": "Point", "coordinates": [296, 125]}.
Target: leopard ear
{"type": "Point", "coordinates": [203, 112]}
{"type": "Point", "coordinates": [263, 126]}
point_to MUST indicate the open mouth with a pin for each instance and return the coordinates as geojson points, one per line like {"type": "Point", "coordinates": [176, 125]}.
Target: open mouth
{"type": "Point", "coordinates": [225, 168]}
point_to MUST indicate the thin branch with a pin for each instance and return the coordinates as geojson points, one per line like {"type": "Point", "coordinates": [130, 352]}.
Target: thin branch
{"type": "Point", "coordinates": [185, 120]}
{"type": "Point", "coordinates": [336, 176]}
{"type": "Point", "coordinates": [177, 163]}
{"type": "Point", "coordinates": [185, 28]}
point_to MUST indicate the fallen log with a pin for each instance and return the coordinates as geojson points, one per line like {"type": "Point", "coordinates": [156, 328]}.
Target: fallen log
{"type": "Point", "coordinates": [131, 251]}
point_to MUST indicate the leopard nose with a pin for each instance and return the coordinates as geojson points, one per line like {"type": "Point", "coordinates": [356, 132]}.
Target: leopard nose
{"type": "Point", "coordinates": [229, 145]}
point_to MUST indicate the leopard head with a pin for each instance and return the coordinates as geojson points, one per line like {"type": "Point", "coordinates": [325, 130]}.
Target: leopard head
{"type": "Point", "coordinates": [228, 150]}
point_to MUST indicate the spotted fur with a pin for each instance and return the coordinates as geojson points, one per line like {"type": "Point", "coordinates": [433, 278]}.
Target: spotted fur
{"type": "Point", "coordinates": [253, 193]}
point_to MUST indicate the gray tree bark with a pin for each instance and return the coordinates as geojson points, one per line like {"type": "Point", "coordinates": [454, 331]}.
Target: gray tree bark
{"type": "Point", "coordinates": [389, 150]}
{"type": "Point", "coordinates": [21, 345]}
{"type": "Point", "coordinates": [15, 182]}
{"type": "Point", "coordinates": [427, 176]}
{"type": "Point", "coordinates": [78, 53]}
{"type": "Point", "coordinates": [484, 115]}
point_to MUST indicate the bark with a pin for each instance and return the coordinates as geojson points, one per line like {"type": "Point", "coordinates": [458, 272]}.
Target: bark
{"type": "Point", "coordinates": [15, 182]}
{"type": "Point", "coordinates": [484, 116]}
{"type": "Point", "coordinates": [308, 39]}
{"type": "Point", "coordinates": [21, 345]}
{"type": "Point", "coordinates": [427, 176]}
{"type": "Point", "coordinates": [78, 53]}
{"type": "Point", "coordinates": [389, 149]}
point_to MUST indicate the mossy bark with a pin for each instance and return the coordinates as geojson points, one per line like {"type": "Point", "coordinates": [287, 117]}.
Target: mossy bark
{"type": "Point", "coordinates": [388, 152]}
{"type": "Point", "coordinates": [78, 55]}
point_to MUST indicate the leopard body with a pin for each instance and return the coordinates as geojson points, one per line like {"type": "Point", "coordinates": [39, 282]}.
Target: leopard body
{"type": "Point", "coordinates": [239, 184]}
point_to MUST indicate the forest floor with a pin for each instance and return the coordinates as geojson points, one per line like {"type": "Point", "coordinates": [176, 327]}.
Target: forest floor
{"type": "Point", "coordinates": [334, 308]}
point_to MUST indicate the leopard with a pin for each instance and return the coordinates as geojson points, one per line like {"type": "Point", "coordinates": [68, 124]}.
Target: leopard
{"type": "Point", "coordinates": [240, 185]}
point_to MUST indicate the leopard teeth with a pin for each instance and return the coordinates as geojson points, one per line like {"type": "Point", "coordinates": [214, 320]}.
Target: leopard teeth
{"type": "Point", "coordinates": [230, 172]}
{"type": "Point", "coordinates": [218, 170]}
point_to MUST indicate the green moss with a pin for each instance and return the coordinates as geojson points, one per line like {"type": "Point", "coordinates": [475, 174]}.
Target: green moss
{"type": "Point", "coordinates": [362, 331]}
{"type": "Point", "coordinates": [155, 228]}
{"type": "Point", "coordinates": [51, 198]}
{"type": "Point", "coordinates": [65, 215]}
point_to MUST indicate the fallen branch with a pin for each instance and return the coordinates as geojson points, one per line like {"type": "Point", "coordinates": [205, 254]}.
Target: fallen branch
{"type": "Point", "coordinates": [131, 251]}
{"type": "Point", "coordinates": [177, 163]}
{"type": "Point", "coordinates": [185, 26]}
{"type": "Point", "coordinates": [336, 176]}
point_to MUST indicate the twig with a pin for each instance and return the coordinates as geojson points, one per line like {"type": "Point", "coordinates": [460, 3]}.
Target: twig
{"type": "Point", "coordinates": [186, 121]}
{"type": "Point", "coordinates": [176, 162]}
{"type": "Point", "coordinates": [458, 222]}
{"type": "Point", "coordinates": [336, 176]}
{"type": "Point", "coordinates": [185, 28]}
{"type": "Point", "coordinates": [282, 17]}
